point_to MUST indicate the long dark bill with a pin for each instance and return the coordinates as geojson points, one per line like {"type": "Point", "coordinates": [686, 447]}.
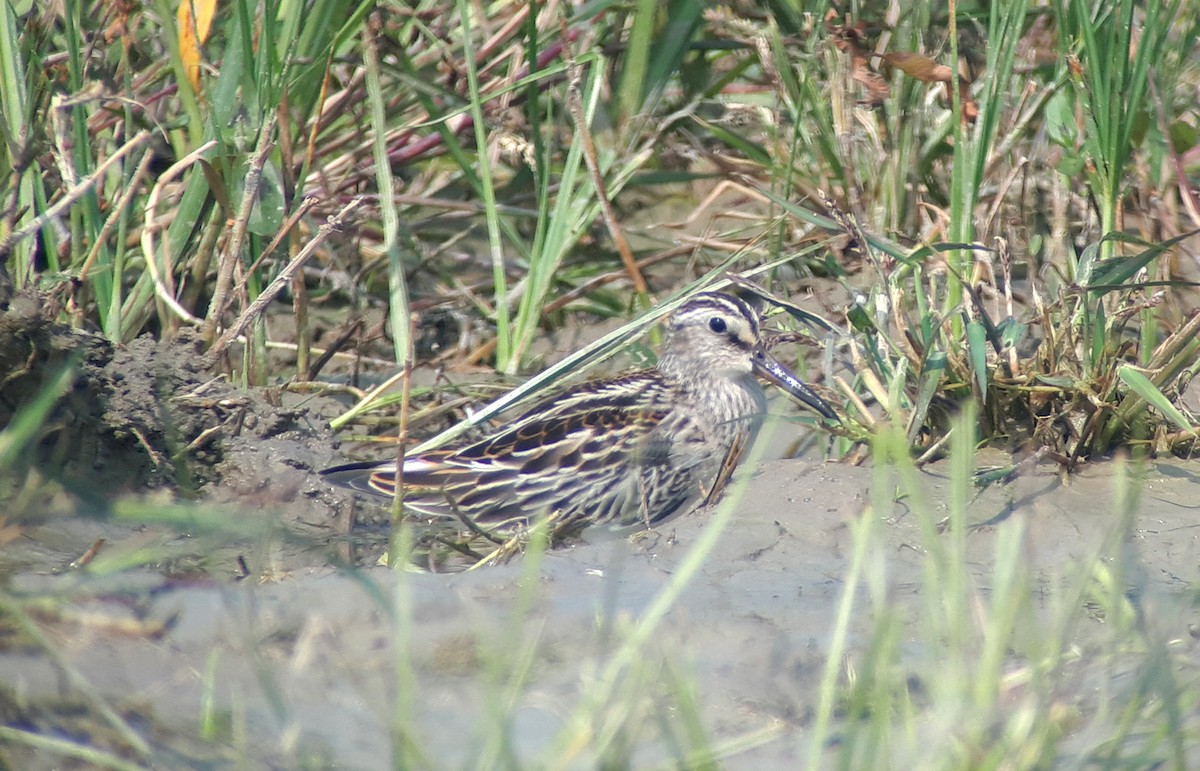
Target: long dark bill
{"type": "Point", "coordinates": [769, 367]}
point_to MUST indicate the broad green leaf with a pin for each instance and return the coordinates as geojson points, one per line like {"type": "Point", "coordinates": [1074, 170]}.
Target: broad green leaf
{"type": "Point", "coordinates": [1057, 381]}
{"type": "Point", "coordinates": [1110, 274]}
{"type": "Point", "coordinates": [858, 317]}
{"type": "Point", "coordinates": [1059, 116]}
{"type": "Point", "coordinates": [633, 84]}
{"type": "Point", "coordinates": [1184, 136]}
{"type": "Point", "coordinates": [977, 345]}
{"type": "Point", "coordinates": [931, 380]}
{"type": "Point", "coordinates": [1141, 385]}
{"type": "Point", "coordinates": [1086, 263]}
{"type": "Point", "coordinates": [1012, 331]}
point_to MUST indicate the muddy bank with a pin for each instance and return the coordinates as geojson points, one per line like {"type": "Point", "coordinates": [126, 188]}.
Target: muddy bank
{"type": "Point", "coordinates": [245, 633]}
{"type": "Point", "coordinates": [304, 669]}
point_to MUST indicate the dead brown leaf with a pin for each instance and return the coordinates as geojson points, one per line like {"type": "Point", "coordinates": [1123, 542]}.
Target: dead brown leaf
{"type": "Point", "coordinates": [928, 70]}
{"type": "Point", "coordinates": [849, 38]}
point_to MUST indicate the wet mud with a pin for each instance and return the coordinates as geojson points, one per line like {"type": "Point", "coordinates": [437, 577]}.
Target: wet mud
{"type": "Point", "coordinates": [278, 645]}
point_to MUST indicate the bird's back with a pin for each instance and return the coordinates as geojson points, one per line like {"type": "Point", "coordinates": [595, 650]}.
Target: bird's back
{"type": "Point", "coordinates": [614, 452]}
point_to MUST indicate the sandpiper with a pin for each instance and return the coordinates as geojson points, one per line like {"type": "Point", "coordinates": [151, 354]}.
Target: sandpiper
{"type": "Point", "coordinates": [617, 451]}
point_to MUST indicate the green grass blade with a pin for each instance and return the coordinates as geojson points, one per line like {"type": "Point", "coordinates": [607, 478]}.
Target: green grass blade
{"type": "Point", "coordinates": [1141, 385]}
{"type": "Point", "coordinates": [977, 348]}
{"type": "Point", "coordinates": [574, 210]}
{"type": "Point", "coordinates": [504, 330]}
{"type": "Point", "coordinates": [398, 315]}
{"type": "Point", "coordinates": [671, 43]}
{"type": "Point", "coordinates": [1115, 271]}
{"type": "Point", "coordinates": [636, 61]}
{"type": "Point", "coordinates": [16, 119]}
{"type": "Point", "coordinates": [25, 425]}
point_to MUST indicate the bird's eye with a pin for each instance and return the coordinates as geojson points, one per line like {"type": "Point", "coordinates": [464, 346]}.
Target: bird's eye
{"type": "Point", "coordinates": [717, 324]}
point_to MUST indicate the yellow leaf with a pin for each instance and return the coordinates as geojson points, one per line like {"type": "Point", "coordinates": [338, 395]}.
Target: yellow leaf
{"type": "Point", "coordinates": [195, 22]}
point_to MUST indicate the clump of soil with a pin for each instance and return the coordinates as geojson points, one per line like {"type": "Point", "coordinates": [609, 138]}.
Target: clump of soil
{"type": "Point", "coordinates": [149, 415]}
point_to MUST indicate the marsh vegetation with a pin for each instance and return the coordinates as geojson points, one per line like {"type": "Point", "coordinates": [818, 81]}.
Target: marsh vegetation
{"type": "Point", "coordinates": [240, 241]}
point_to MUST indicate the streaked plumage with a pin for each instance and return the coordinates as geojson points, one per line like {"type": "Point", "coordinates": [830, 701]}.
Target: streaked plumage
{"type": "Point", "coordinates": [616, 451]}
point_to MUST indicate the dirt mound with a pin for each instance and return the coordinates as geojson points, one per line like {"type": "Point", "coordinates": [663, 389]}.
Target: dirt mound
{"type": "Point", "coordinates": [148, 415]}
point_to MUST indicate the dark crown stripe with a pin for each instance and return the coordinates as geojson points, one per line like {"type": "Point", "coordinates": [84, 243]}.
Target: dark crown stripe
{"type": "Point", "coordinates": [708, 302]}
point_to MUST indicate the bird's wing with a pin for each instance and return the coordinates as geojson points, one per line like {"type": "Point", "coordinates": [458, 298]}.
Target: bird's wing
{"type": "Point", "coordinates": [576, 449]}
